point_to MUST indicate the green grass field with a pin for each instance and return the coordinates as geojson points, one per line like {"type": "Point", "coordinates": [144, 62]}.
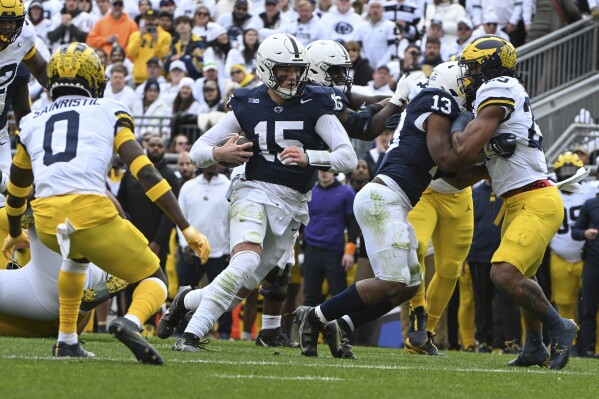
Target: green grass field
{"type": "Point", "coordinates": [242, 370]}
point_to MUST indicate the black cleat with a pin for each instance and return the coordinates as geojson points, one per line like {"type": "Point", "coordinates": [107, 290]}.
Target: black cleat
{"type": "Point", "coordinates": [127, 332]}
{"type": "Point", "coordinates": [96, 295]}
{"type": "Point", "coordinates": [189, 342]}
{"type": "Point", "coordinates": [428, 348]}
{"type": "Point", "coordinates": [561, 344]}
{"type": "Point", "coordinates": [308, 333]}
{"type": "Point", "coordinates": [273, 337]}
{"type": "Point", "coordinates": [174, 314]}
{"type": "Point", "coordinates": [417, 330]}
{"type": "Point", "coordinates": [531, 355]}
{"type": "Point", "coordinates": [61, 349]}
{"type": "Point", "coordinates": [338, 341]}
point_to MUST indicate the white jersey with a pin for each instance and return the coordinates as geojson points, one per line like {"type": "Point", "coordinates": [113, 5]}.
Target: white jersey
{"type": "Point", "coordinates": [562, 243]}
{"type": "Point", "coordinates": [70, 143]}
{"type": "Point", "coordinates": [528, 162]}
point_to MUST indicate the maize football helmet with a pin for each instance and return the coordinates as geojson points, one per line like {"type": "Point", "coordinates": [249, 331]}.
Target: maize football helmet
{"type": "Point", "coordinates": [75, 68]}
{"type": "Point", "coordinates": [445, 76]}
{"type": "Point", "coordinates": [277, 51]}
{"type": "Point", "coordinates": [566, 165]}
{"type": "Point", "coordinates": [329, 65]}
{"type": "Point", "coordinates": [12, 12]}
{"type": "Point", "coordinates": [483, 59]}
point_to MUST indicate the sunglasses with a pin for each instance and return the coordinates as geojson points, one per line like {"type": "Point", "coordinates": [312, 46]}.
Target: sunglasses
{"type": "Point", "coordinates": [202, 14]}
{"type": "Point", "coordinates": [235, 72]}
{"type": "Point", "coordinates": [414, 53]}
{"type": "Point", "coordinates": [491, 24]}
{"type": "Point", "coordinates": [241, 8]}
{"type": "Point", "coordinates": [209, 89]}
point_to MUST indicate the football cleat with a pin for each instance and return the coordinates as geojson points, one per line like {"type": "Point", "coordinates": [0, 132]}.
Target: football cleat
{"type": "Point", "coordinates": [338, 341]}
{"type": "Point", "coordinates": [561, 344]}
{"type": "Point", "coordinates": [308, 333]}
{"type": "Point", "coordinates": [96, 295]}
{"type": "Point", "coordinates": [531, 356]}
{"type": "Point", "coordinates": [428, 348]}
{"type": "Point", "coordinates": [129, 334]}
{"type": "Point", "coordinates": [274, 337]}
{"type": "Point", "coordinates": [174, 314]}
{"type": "Point", "coordinates": [189, 342]}
{"type": "Point", "coordinates": [417, 329]}
{"type": "Point", "coordinates": [61, 349]}
{"type": "Point", "coordinates": [484, 348]}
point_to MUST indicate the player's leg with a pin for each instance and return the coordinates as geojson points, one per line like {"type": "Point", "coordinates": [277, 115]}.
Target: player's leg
{"type": "Point", "coordinates": [531, 220]}
{"type": "Point", "coordinates": [565, 284]}
{"type": "Point", "coordinates": [466, 309]}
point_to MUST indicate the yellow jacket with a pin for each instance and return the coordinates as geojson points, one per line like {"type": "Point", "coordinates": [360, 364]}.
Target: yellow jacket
{"type": "Point", "coordinates": [143, 47]}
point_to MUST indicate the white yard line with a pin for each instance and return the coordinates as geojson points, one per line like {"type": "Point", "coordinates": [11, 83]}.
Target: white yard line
{"type": "Point", "coordinates": [272, 377]}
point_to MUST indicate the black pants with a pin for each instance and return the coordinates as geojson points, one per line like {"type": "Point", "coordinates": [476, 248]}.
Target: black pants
{"type": "Point", "coordinates": [590, 304]}
{"type": "Point", "coordinates": [320, 263]}
{"type": "Point", "coordinates": [190, 273]}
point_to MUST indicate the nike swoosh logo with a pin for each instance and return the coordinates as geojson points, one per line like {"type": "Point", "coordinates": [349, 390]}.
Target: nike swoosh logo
{"type": "Point", "coordinates": [4, 143]}
{"type": "Point", "coordinates": [305, 101]}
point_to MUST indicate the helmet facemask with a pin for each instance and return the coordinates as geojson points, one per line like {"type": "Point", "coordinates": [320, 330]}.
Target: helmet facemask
{"type": "Point", "coordinates": [276, 82]}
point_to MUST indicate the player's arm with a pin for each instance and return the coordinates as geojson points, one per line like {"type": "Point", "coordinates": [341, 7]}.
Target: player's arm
{"type": "Point", "coordinates": [20, 102]}
{"type": "Point", "coordinates": [467, 177]}
{"type": "Point", "coordinates": [469, 142]}
{"type": "Point", "coordinates": [156, 187]}
{"type": "Point", "coordinates": [37, 65]}
{"type": "Point", "coordinates": [357, 101]}
{"type": "Point", "coordinates": [205, 151]}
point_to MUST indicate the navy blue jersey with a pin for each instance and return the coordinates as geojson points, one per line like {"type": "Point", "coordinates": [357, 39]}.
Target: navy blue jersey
{"type": "Point", "coordinates": [21, 79]}
{"type": "Point", "coordinates": [410, 162]}
{"type": "Point", "coordinates": [272, 127]}
{"type": "Point", "coordinates": [343, 101]}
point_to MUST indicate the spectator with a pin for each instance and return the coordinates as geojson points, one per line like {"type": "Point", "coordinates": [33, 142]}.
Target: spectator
{"type": "Point", "coordinates": [86, 5]}
{"type": "Point", "coordinates": [185, 107]}
{"type": "Point", "coordinates": [235, 22]}
{"type": "Point", "coordinates": [379, 85]}
{"type": "Point", "coordinates": [167, 6]}
{"type": "Point", "coordinates": [436, 31]}
{"type": "Point", "coordinates": [374, 157]}
{"type": "Point", "coordinates": [151, 41]}
{"type": "Point", "coordinates": [180, 145]}
{"type": "Point", "coordinates": [270, 21]}
{"type": "Point", "coordinates": [117, 88]}
{"type": "Point", "coordinates": [377, 36]}
{"type": "Point", "coordinates": [143, 6]}
{"type": "Point", "coordinates": [432, 53]}
{"type": "Point", "coordinates": [217, 51]}
{"type": "Point", "coordinates": [165, 21]}
{"type": "Point", "coordinates": [187, 48]}
{"type": "Point", "coordinates": [405, 14]}
{"type": "Point", "coordinates": [246, 55]}
{"type": "Point", "coordinates": [211, 96]}
{"type": "Point", "coordinates": [286, 7]}
{"type": "Point", "coordinates": [341, 23]}
{"type": "Point", "coordinates": [323, 6]}
{"type": "Point", "coordinates": [101, 10]}
{"type": "Point", "coordinates": [112, 29]}
{"type": "Point", "coordinates": [189, 7]}
{"type": "Point", "coordinates": [102, 54]}
{"type": "Point", "coordinates": [71, 25]}
{"type": "Point", "coordinates": [465, 30]}
{"type": "Point", "coordinates": [117, 54]}
{"type": "Point", "coordinates": [307, 27]}
{"type": "Point", "coordinates": [326, 254]}
{"type": "Point", "coordinates": [150, 112]}
{"type": "Point", "coordinates": [489, 26]}
{"type": "Point", "coordinates": [185, 169]}
{"type": "Point", "coordinates": [41, 24]}
{"type": "Point", "coordinates": [203, 22]}
{"type": "Point", "coordinates": [411, 59]}
{"type": "Point", "coordinates": [210, 73]}
{"type": "Point", "coordinates": [360, 70]}
{"type": "Point", "coordinates": [170, 88]}
{"type": "Point", "coordinates": [155, 70]}
{"type": "Point", "coordinates": [242, 77]}
{"type": "Point", "coordinates": [447, 13]}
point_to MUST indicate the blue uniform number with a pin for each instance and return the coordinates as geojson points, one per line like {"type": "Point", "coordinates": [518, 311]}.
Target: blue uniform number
{"type": "Point", "coordinates": [59, 126]}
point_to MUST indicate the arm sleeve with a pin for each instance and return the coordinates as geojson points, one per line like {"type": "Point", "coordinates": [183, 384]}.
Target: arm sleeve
{"type": "Point", "coordinates": [581, 223]}
{"type": "Point", "coordinates": [343, 156]}
{"type": "Point", "coordinates": [201, 152]}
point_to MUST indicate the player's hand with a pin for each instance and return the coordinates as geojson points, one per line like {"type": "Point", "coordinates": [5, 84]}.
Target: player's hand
{"type": "Point", "coordinates": [360, 121]}
{"type": "Point", "coordinates": [459, 124]}
{"type": "Point", "coordinates": [503, 145]}
{"type": "Point", "coordinates": [198, 242]}
{"type": "Point", "coordinates": [231, 152]}
{"type": "Point", "coordinates": [294, 156]}
{"type": "Point", "coordinates": [10, 242]}
{"type": "Point", "coordinates": [405, 85]}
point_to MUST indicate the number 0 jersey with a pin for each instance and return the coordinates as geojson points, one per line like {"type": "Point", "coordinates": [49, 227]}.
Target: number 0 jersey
{"type": "Point", "coordinates": [528, 162]}
{"type": "Point", "coordinates": [408, 161]}
{"type": "Point", "coordinates": [272, 127]}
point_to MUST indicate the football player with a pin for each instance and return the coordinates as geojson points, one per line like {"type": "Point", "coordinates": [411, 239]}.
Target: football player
{"type": "Point", "coordinates": [382, 207]}
{"type": "Point", "coordinates": [533, 206]}
{"type": "Point", "coordinates": [289, 125]}
{"type": "Point", "coordinates": [17, 44]}
{"type": "Point", "coordinates": [68, 147]}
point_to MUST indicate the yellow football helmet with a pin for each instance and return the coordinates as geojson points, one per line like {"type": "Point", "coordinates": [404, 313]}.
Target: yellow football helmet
{"type": "Point", "coordinates": [486, 58]}
{"type": "Point", "coordinates": [75, 68]}
{"type": "Point", "coordinates": [12, 12]}
{"type": "Point", "coordinates": [566, 165]}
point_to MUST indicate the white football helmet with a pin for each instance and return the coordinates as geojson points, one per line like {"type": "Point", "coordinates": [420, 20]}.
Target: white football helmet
{"type": "Point", "coordinates": [329, 65]}
{"type": "Point", "coordinates": [445, 76]}
{"type": "Point", "coordinates": [281, 50]}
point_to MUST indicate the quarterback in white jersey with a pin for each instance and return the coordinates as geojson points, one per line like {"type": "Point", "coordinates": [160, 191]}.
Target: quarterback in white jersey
{"type": "Point", "coordinates": [532, 204]}
{"type": "Point", "coordinates": [17, 43]}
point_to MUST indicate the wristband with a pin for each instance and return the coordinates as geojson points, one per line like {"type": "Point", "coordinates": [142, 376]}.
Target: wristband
{"type": "Point", "coordinates": [158, 190]}
{"type": "Point", "coordinates": [350, 248]}
{"type": "Point", "coordinates": [319, 158]}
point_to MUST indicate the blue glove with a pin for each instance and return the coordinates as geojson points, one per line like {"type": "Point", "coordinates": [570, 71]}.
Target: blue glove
{"type": "Point", "coordinates": [359, 122]}
{"type": "Point", "coordinates": [503, 145]}
{"type": "Point", "coordinates": [459, 124]}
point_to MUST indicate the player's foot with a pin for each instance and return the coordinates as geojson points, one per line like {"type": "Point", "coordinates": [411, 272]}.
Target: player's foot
{"type": "Point", "coordinates": [561, 344]}
{"type": "Point", "coordinates": [61, 349]}
{"type": "Point", "coordinates": [428, 348]}
{"type": "Point", "coordinates": [189, 342]}
{"type": "Point", "coordinates": [531, 355]}
{"type": "Point", "coordinates": [274, 337]}
{"type": "Point", "coordinates": [417, 329]}
{"type": "Point", "coordinates": [174, 314]}
{"type": "Point", "coordinates": [338, 341]}
{"type": "Point", "coordinates": [483, 347]}
{"type": "Point", "coordinates": [129, 334]}
{"type": "Point", "coordinates": [98, 294]}
{"type": "Point", "coordinates": [308, 332]}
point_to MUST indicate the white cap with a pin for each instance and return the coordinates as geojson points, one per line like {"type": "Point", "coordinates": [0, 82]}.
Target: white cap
{"type": "Point", "coordinates": [215, 32]}
{"type": "Point", "coordinates": [467, 22]}
{"type": "Point", "coordinates": [490, 17]}
{"type": "Point", "coordinates": [178, 64]}
{"type": "Point", "coordinates": [186, 82]}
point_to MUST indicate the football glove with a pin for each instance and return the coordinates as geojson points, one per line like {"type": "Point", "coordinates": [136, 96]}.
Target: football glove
{"type": "Point", "coordinates": [9, 244]}
{"type": "Point", "coordinates": [358, 122]}
{"type": "Point", "coordinates": [459, 124]}
{"type": "Point", "coordinates": [503, 145]}
{"type": "Point", "coordinates": [404, 88]}
{"type": "Point", "coordinates": [198, 242]}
